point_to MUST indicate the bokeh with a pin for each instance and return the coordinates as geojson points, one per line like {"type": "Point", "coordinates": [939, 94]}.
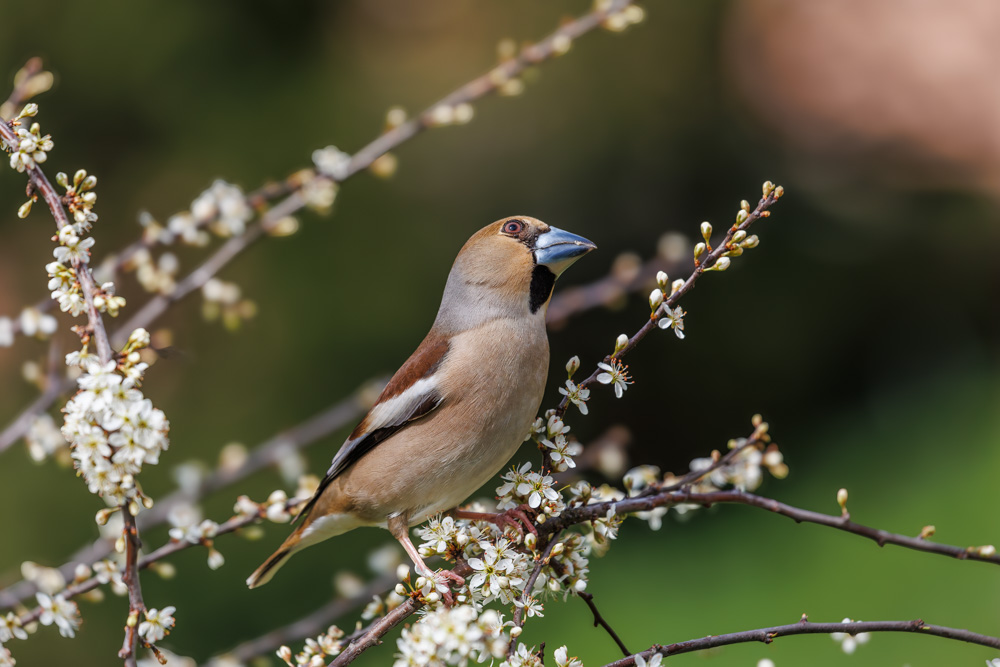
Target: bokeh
{"type": "Point", "coordinates": [865, 328]}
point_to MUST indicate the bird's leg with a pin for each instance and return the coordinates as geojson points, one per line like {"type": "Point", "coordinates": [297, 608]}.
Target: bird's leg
{"type": "Point", "coordinates": [515, 517]}
{"type": "Point", "coordinates": [400, 529]}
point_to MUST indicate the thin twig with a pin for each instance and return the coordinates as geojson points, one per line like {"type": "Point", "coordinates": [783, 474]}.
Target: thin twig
{"type": "Point", "coordinates": [804, 627]}
{"type": "Point", "coordinates": [600, 621]}
{"type": "Point", "coordinates": [130, 577]}
{"type": "Point", "coordinates": [575, 515]}
{"type": "Point", "coordinates": [706, 263]}
{"type": "Point", "coordinates": [542, 561]}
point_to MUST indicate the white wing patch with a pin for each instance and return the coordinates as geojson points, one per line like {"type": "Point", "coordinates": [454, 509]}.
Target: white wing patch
{"type": "Point", "coordinates": [400, 409]}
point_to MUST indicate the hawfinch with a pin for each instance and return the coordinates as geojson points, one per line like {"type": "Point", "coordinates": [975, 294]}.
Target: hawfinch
{"type": "Point", "coordinates": [457, 410]}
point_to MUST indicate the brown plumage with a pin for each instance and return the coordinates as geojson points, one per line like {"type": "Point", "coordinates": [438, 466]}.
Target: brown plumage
{"type": "Point", "coordinates": [458, 409]}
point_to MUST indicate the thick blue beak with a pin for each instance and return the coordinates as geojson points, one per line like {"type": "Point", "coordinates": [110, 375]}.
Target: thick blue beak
{"type": "Point", "coordinates": [557, 249]}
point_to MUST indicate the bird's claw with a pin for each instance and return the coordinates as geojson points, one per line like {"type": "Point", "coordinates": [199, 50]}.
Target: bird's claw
{"type": "Point", "coordinates": [517, 518]}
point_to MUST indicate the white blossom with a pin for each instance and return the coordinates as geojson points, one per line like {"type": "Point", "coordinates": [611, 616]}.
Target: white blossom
{"type": "Point", "coordinates": [57, 609]}
{"type": "Point", "coordinates": [455, 636]}
{"type": "Point", "coordinates": [652, 662]}
{"type": "Point", "coordinates": [224, 206]}
{"type": "Point", "coordinates": [35, 322]}
{"type": "Point", "coordinates": [562, 658]}
{"type": "Point", "coordinates": [849, 643]}
{"type": "Point", "coordinates": [10, 628]}
{"type": "Point", "coordinates": [614, 373]}
{"type": "Point", "coordinates": [332, 162]}
{"type": "Point", "coordinates": [577, 396]}
{"type": "Point", "coordinates": [6, 332]}
{"type": "Point", "coordinates": [157, 624]}
{"type": "Point", "coordinates": [31, 148]}
{"type": "Point", "coordinates": [672, 318]}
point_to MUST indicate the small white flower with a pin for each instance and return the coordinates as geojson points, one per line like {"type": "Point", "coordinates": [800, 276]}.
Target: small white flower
{"type": "Point", "coordinates": [332, 162]}
{"type": "Point", "coordinates": [6, 659]}
{"type": "Point", "coordinates": [35, 322]}
{"type": "Point", "coordinates": [672, 318]}
{"type": "Point", "coordinates": [57, 609]}
{"type": "Point", "coordinates": [849, 643]}
{"type": "Point", "coordinates": [576, 395]}
{"type": "Point", "coordinates": [10, 628]}
{"type": "Point", "coordinates": [652, 662]}
{"type": "Point", "coordinates": [157, 624]}
{"type": "Point", "coordinates": [614, 373]}
{"type": "Point", "coordinates": [6, 332]}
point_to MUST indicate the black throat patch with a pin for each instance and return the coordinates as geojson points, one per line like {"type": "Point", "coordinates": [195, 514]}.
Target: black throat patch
{"type": "Point", "coordinates": [542, 280]}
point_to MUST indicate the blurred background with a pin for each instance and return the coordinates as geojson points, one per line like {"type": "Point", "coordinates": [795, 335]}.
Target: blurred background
{"type": "Point", "coordinates": [865, 328]}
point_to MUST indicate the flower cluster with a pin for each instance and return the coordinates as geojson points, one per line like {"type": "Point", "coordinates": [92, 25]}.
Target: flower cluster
{"type": "Point", "coordinates": [550, 435]}
{"type": "Point", "coordinates": [522, 486]}
{"type": "Point", "coordinates": [223, 208]}
{"type": "Point", "coordinates": [316, 650]}
{"type": "Point", "coordinates": [223, 299]}
{"type": "Point", "coordinates": [455, 636]}
{"type": "Point", "coordinates": [32, 148]}
{"type": "Point", "coordinates": [744, 471]}
{"type": "Point", "coordinates": [578, 396]}
{"type": "Point", "coordinates": [113, 430]}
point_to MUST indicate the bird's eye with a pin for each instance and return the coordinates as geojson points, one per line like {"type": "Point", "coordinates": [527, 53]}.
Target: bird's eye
{"type": "Point", "coordinates": [513, 227]}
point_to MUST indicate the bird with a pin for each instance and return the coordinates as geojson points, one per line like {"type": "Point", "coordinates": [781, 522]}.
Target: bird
{"type": "Point", "coordinates": [457, 410]}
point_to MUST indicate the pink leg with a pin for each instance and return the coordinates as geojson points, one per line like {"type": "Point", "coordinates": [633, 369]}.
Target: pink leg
{"type": "Point", "coordinates": [400, 530]}
{"type": "Point", "coordinates": [516, 517]}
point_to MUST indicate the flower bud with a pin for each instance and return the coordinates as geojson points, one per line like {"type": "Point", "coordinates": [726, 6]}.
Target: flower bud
{"type": "Point", "coordinates": [573, 365]}
{"type": "Point", "coordinates": [655, 299]}
{"type": "Point", "coordinates": [420, 582]}
{"type": "Point", "coordinates": [778, 192]}
{"type": "Point", "coordinates": [432, 597]}
{"type": "Point", "coordinates": [661, 279]}
{"type": "Point", "coordinates": [558, 548]}
{"type": "Point", "coordinates": [516, 631]}
{"type": "Point", "coordinates": [699, 250]}
{"type": "Point", "coordinates": [28, 111]}
{"type": "Point", "coordinates": [739, 236]}
{"type": "Point", "coordinates": [751, 242]}
{"type": "Point", "coordinates": [530, 541]}
{"type": "Point", "coordinates": [767, 188]}
{"type": "Point", "coordinates": [400, 590]}
{"type": "Point", "coordinates": [721, 265]}
{"type": "Point", "coordinates": [677, 284]}
{"type": "Point", "coordinates": [842, 499]}
{"type": "Point", "coordinates": [745, 206]}
{"type": "Point", "coordinates": [62, 179]}
{"type": "Point", "coordinates": [25, 209]}
{"type": "Point", "coordinates": [620, 343]}
{"type": "Point", "coordinates": [987, 551]}
{"type": "Point", "coordinates": [706, 231]}
{"type": "Point", "coordinates": [741, 217]}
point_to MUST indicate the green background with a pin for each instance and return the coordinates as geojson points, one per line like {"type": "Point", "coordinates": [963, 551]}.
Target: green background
{"type": "Point", "coordinates": [864, 328]}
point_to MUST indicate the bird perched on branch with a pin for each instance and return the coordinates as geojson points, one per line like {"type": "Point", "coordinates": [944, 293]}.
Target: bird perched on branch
{"type": "Point", "coordinates": [458, 409]}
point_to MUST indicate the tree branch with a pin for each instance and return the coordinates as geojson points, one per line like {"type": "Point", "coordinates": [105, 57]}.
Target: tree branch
{"type": "Point", "coordinates": [804, 627]}
{"type": "Point", "coordinates": [577, 515]}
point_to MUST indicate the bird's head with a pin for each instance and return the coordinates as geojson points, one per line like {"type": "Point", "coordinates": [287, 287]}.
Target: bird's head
{"type": "Point", "coordinates": [509, 266]}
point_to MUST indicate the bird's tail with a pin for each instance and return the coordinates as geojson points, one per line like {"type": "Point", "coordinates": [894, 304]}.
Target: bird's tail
{"type": "Point", "coordinates": [270, 567]}
{"type": "Point", "coordinates": [263, 574]}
